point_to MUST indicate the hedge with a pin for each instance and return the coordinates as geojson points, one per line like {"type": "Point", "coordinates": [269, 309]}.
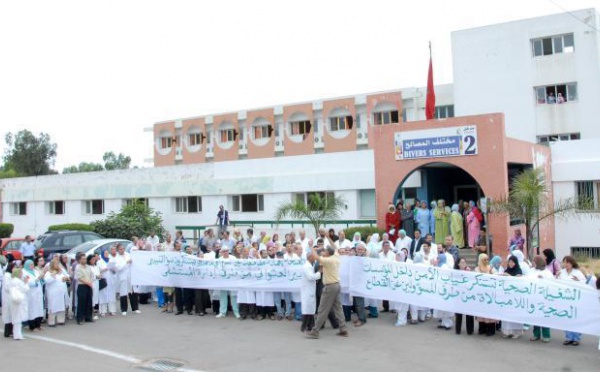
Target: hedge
{"type": "Point", "coordinates": [71, 226]}
{"type": "Point", "coordinates": [365, 232]}
{"type": "Point", "coordinates": [6, 230]}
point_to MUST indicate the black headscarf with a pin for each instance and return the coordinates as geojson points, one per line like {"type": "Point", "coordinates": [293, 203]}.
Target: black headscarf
{"type": "Point", "coordinates": [549, 253]}
{"type": "Point", "coordinates": [515, 270]}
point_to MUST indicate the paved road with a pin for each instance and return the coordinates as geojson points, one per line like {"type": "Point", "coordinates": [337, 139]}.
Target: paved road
{"type": "Point", "coordinates": [209, 344]}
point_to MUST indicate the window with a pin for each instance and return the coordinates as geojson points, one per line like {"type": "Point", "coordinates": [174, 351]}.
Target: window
{"type": "Point", "coordinates": [300, 127]}
{"type": "Point", "coordinates": [188, 204]}
{"type": "Point", "coordinates": [306, 197]}
{"type": "Point", "coordinates": [72, 240]}
{"type": "Point", "coordinates": [130, 202]}
{"type": "Point", "coordinates": [261, 131]}
{"type": "Point", "coordinates": [586, 193]}
{"type": "Point", "coordinates": [195, 139]}
{"type": "Point", "coordinates": [385, 117]}
{"type": "Point", "coordinates": [587, 252]}
{"type": "Point", "coordinates": [546, 139]}
{"type": "Point", "coordinates": [248, 203]}
{"type": "Point", "coordinates": [552, 94]}
{"type": "Point", "coordinates": [442, 112]}
{"type": "Point", "coordinates": [227, 135]}
{"type": "Point", "coordinates": [18, 209]}
{"type": "Point", "coordinates": [94, 206]}
{"type": "Point", "coordinates": [367, 203]}
{"type": "Point", "coordinates": [166, 142]}
{"type": "Point", "coordinates": [56, 207]}
{"type": "Point", "coordinates": [340, 123]}
{"type": "Point", "coordinates": [553, 45]}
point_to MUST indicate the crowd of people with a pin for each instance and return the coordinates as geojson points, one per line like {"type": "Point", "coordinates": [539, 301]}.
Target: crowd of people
{"type": "Point", "coordinates": [89, 288]}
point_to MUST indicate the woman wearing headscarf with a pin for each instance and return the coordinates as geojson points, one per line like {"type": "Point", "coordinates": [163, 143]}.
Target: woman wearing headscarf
{"type": "Point", "coordinates": [511, 329]}
{"type": "Point", "coordinates": [423, 218]}
{"type": "Point", "coordinates": [56, 294]}
{"type": "Point", "coordinates": [446, 317]}
{"type": "Point", "coordinates": [356, 239]}
{"type": "Point", "coordinates": [456, 227]}
{"type": "Point", "coordinates": [408, 220]}
{"type": "Point", "coordinates": [417, 313]}
{"type": "Point", "coordinates": [374, 246]}
{"type": "Point", "coordinates": [552, 263]}
{"type": "Point", "coordinates": [496, 264]}
{"type": "Point", "coordinates": [6, 302]}
{"type": "Point", "coordinates": [400, 307]}
{"type": "Point", "coordinates": [523, 263]}
{"type": "Point", "coordinates": [542, 273]}
{"type": "Point", "coordinates": [473, 223]}
{"type": "Point", "coordinates": [35, 295]}
{"type": "Point", "coordinates": [392, 223]}
{"type": "Point", "coordinates": [487, 326]}
{"type": "Point", "coordinates": [441, 216]}
{"type": "Point", "coordinates": [18, 309]}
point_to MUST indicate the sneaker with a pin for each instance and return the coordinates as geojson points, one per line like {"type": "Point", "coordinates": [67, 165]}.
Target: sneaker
{"type": "Point", "coordinates": [400, 324]}
{"type": "Point", "coordinates": [124, 313]}
{"type": "Point", "coordinates": [534, 339]}
{"type": "Point", "coordinates": [545, 340]}
{"type": "Point", "coordinates": [312, 334]}
{"type": "Point", "coordinates": [137, 312]}
{"type": "Point", "coordinates": [237, 316]}
{"type": "Point", "coordinates": [96, 317]}
{"type": "Point", "coordinates": [219, 316]}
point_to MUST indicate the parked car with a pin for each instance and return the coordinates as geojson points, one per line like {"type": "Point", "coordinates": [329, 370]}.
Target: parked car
{"type": "Point", "coordinates": [62, 241]}
{"type": "Point", "coordinates": [11, 245]}
{"type": "Point", "coordinates": [96, 246]}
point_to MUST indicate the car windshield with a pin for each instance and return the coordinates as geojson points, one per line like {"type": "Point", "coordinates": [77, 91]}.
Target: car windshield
{"type": "Point", "coordinates": [81, 248]}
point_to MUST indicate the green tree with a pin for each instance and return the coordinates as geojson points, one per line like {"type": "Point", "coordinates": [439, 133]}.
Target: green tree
{"type": "Point", "coordinates": [112, 161]}
{"type": "Point", "coordinates": [83, 167]}
{"type": "Point", "coordinates": [318, 210]}
{"type": "Point", "coordinates": [528, 201]}
{"type": "Point", "coordinates": [136, 219]}
{"type": "Point", "coordinates": [29, 155]}
{"type": "Point", "coordinates": [8, 173]}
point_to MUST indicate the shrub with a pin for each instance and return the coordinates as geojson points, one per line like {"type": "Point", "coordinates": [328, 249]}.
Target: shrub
{"type": "Point", "coordinates": [71, 226]}
{"type": "Point", "coordinates": [365, 232]}
{"type": "Point", "coordinates": [137, 219]}
{"type": "Point", "coordinates": [6, 230]}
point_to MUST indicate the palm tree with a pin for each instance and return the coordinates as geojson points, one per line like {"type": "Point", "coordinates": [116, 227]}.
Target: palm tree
{"type": "Point", "coordinates": [318, 210]}
{"type": "Point", "coordinates": [528, 200]}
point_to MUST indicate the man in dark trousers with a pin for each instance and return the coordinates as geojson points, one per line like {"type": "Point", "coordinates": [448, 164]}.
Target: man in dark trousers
{"type": "Point", "coordinates": [330, 297]}
{"type": "Point", "coordinates": [222, 221]}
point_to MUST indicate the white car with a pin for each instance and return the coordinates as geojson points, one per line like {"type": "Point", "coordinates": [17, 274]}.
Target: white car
{"type": "Point", "coordinates": [94, 246]}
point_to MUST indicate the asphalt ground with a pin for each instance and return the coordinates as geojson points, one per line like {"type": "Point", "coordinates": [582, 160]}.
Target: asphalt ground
{"type": "Point", "coordinates": [208, 344]}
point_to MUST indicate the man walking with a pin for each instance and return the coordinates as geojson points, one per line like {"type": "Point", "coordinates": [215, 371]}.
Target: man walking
{"type": "Point", "coordinates": [222, 220]}
{"type": "Point", "coordinates": [330, 297]}
{"type": "Point", "coordinates": [27, 249]}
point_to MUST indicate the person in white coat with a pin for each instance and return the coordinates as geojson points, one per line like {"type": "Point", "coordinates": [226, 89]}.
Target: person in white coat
{"type": "Point", "coordinates": [123, 267]}
{"type": "Point", "coordinates": [308, 293]}
{"type": "Point", "coordinates": [18, 307]}
{"type": "Point", "coordinates": [6, 319]}
{"type": "Point", "coordinates": [107, 295]}
{"type": "Point", "coordinates": [246, 299]}
{"type": "Point", "coordinates": [35, 295]}
{"type": "Point", "coordinates": [56, 294]}
{"type": "Point", "coordinates": [223, 295]}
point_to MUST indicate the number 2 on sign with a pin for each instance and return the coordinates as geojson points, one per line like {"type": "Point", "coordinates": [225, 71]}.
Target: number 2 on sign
{"type": "Point", "coordinates": [471, 145]}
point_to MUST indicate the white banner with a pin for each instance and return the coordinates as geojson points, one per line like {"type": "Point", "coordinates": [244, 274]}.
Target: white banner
{"type": "Point", "coordinates": [548, 303]}
{"type": "Point", "coordinates": [170, 269]}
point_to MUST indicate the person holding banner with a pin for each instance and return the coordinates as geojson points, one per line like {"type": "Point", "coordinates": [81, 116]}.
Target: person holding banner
{"type": "Point", "coordinates": [512, 329]}
{"type": "Point", "coordinates": [330, 297]}
{"type": "Point", "coordinates": [487, 326]}
{"type": "Point", "coordinates": [308, 293]}
{"type": "Point", "coordinates": [571, 272]}
{"type": "Point", "coordinates": [225, 256]}
{"type": "Point", "coordinates": [540, 272]}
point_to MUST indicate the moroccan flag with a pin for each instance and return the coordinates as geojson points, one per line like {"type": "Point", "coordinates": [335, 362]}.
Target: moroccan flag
{"type": "Point", "coordinates": [430, 103]}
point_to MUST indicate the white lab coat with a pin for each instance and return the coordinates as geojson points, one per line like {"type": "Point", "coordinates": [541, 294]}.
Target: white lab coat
{"type": "Point", "coordinates": [95, 285]}
{"type": "Point", "coordinates": [123, 285]}
{"type": "Point", "coordinates": [108, 293]}
{"type": "Point", "coordinates": [19, 312]}
{"type": "Point", "coordinates": [56, 292]}
{"type": "Point", "coordinates": [308, 288]}
{"type": "Point", "coordinates": [6, 302]}
{"type": "Point", "coordinates": [35, 297]}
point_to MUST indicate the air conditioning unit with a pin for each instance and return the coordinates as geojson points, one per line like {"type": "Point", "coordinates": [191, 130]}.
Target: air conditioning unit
{"type": "Point", "coordinates": [360, 135]}
{"type": "Point", "coordinates": [277, 143]}
{"type": "Point", "coordinates": [316, 139]}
